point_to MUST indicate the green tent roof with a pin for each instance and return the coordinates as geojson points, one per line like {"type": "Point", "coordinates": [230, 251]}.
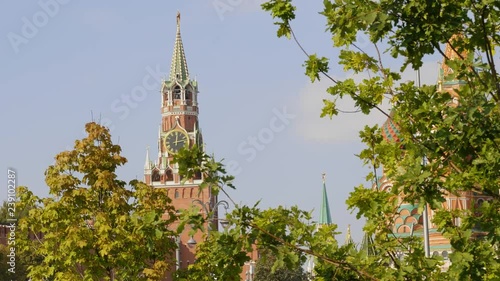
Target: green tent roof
{"type": "Point", "coordinates": [179, 69]}
{"type": "Point", "coordinates": [325, 217]}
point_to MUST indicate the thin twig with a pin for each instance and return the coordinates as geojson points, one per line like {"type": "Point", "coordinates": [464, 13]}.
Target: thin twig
{"type": "Point", "coordinates": [341, 264]}
{"type": "Point", "coordinates": [462, 58]}
{"type": "Point", "coordinates": [489, 56]}
{"type": "Point", "coordinates": [381, 66]}
{"type": "Point", "coordinates": [336, 81]}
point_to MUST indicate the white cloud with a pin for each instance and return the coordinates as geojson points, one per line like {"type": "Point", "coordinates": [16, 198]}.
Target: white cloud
{"type": "Point", "coordinates": [252, 5]}
{"type": "Point", "coordinates": [344, 127]}
{"type": "Point", "coordinates": [428, 73]}
{"type": "Point", "coordinates": [225, 8]}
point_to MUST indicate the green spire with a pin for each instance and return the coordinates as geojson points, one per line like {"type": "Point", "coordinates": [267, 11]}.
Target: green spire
{"type": "Point", "coordinates": [367, 247]}
{"type": "Point", "coordinates": [324, 216]}
{"type": "Point", "coordinates": [178, 69]}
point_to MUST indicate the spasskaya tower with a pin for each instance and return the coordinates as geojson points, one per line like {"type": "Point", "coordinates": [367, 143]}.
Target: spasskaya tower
{"type": "Point", "coordinates": [179, 128]}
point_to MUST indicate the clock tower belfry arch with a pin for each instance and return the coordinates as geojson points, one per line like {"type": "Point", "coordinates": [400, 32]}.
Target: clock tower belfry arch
{"type": "Point", "coordinates": [179, 128]}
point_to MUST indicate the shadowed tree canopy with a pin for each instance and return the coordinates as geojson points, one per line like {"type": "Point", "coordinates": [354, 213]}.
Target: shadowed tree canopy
{"type": "Point", "coordinates": [4, 213]}
{"type": "Point", "coordinates": [20, 271]}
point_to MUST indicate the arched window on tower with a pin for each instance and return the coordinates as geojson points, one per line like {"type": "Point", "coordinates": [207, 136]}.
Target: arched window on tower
{"type": "Point", "coordinates": [445, 254]}
{"type": "Point", "coordinates": [189, 92]}
{"type": "Point", "coordinates": [156, 175]}
{"type": "Point", "coordinates": [165, 99]}
{"type": "Point", "coordinates": [188, 95]}
{"type": "Point", "coordinates": [177, 93]}
{"type": "Point", "coordinates": [477, 206]}
{"type": "Point", "coordinates": [480, 202]}
{"type": "Point", "coordinates": [169, 176]}
{"type": "Point", "coordinates": [197, 175]}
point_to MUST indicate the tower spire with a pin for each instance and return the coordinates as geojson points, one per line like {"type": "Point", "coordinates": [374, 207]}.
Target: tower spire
{"type": "Point", "coordinates": [325, 216]}
{"type": "Point", "coordinates": [348, 237]}
{"type": "Point", "coordinates": [147, 165]}
{"type": "Point", "coordinates": [367, 247]}
{"type": "Point", "coordinates": [178, 68]}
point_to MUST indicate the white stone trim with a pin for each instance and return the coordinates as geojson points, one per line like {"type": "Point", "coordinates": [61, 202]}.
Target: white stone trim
{"type": "Point", "coordinates": [182, 112]}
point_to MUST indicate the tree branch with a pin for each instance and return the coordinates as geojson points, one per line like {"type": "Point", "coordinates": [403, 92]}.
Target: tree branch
{"type": "Point", "coordinates": [336, 81]}
{"type": "Point", "coordinates": [489, 56]}
{"type": "Point", "coordinates": [341, 264]}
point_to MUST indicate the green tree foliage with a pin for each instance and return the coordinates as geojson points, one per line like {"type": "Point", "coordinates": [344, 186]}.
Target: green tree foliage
{"type": "Point", "coordinates": [264, 270]}
{"type": "Point", "coordinates": [285, 233]}
{"type": "Point", "coordinates": [459, 140]}
{"type": "Point", "coordinates": [19, 268]}
{"type": "Point", "coordinates": [92, 227]}
{"type": "Point", "coordinates": [4, 212]}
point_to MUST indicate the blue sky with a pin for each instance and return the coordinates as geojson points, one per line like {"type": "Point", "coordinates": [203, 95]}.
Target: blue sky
{"type": "Point", "coordinates": [67, 62]}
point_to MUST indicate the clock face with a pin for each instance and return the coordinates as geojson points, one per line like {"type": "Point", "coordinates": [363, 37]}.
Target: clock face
{"type": "Point", "coordinates": [175, 140]}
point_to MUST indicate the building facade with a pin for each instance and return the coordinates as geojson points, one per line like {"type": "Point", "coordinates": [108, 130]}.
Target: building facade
{"type": "Point", "coordinates": [408, 220]}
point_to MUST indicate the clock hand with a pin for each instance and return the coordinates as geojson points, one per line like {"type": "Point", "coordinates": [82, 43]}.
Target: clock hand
{"type": "Point", "coordinates": [178, 141]}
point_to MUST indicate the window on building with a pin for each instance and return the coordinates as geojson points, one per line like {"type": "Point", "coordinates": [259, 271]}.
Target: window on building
{"type": "Point", "coordinates": [156, 175]}
{"type": "Point", "coordinates": [445, 255]}
{"type": "Point", "coordinates": [177, 93]}
{"type": "Point", "coordinates": [169, 176]}
{"type": "Point", "coordinates": [480, 202]}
